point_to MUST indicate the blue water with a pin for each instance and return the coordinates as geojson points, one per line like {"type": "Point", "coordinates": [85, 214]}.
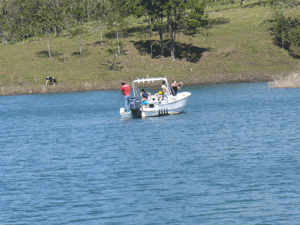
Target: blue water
{"type": "Point", "coordinates": [231, 158]}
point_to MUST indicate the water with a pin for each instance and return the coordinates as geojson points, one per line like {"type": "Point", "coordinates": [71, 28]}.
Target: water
{"type": "Point", "coordinates": [231, 158]}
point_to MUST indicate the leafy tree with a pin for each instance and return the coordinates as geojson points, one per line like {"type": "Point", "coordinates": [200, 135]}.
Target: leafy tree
{"type": "Point", "coordinates": [117, 18]}
{"type": "Point", "coordinates": [295, 40]}
{"type": "Point", "coordinates": [60, 13]}
{"type": "Point", "coordinates": [3, 19]}
{"type": "Point", "coordinates": [99, 14]}
{"type": "Point", "coordinates": [78, 9]}
{"type": "Point", "coordinates": [45, 20]}
{"type": "Point", "coordinates": [282, 28]}
{"type": "Point", "coordinates": [114, 48]}
{"type": "Point", "coordinates": [78, 31]}
{"type": "Point", "coordinates": [159, 14]}
{"type": "Point", "coordinates": [23, 17]}
{"type": "Point", "coordinates": [196, 18]}
{"type": "Point", "coordinates": [282, 6]}
{"type": "Point", "coordinates": [179, 14]}
{"type": "Point", "coordinates": [175, 10]}
{"type": "Point", "coordinates": [144, 7]}
{"type": "Point", "coordinates": [154, 11]}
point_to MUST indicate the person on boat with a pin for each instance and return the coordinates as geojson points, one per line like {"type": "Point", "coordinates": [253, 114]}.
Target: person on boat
{"type": "Point", "coordinates": [125, 90]}
{"type": "Point", "coordinates": [165, 90]}
{"type": "Point", "coordinates": [144, 95]}
{"type": "Point", "coordinates": [175, 87]}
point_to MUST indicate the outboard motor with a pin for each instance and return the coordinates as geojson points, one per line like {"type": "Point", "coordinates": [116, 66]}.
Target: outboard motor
{"type": "Point", "coordinates": [135, 107]}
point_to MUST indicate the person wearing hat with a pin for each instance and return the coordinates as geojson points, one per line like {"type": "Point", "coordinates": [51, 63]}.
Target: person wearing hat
{"type": "Point", "coordinates": [125, 90]}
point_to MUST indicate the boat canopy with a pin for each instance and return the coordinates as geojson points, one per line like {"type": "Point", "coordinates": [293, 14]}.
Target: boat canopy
{"type": "Point", "coordinates": [148, 80]}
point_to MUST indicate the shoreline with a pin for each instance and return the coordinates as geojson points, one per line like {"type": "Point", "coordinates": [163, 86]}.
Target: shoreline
{"type": "Point", "coordinates": [27, 89]}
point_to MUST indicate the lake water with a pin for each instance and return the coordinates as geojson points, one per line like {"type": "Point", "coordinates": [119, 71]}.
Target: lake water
{"type": "Point", "coordinates": [233, 157]}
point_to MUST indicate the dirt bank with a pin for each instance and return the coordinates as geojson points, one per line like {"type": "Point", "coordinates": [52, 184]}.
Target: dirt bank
{"type": "Point", "coordinates": [115, 84]}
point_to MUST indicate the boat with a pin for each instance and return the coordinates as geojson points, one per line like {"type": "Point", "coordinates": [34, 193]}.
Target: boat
{"type": "Point", "coordinates": [159, 104]}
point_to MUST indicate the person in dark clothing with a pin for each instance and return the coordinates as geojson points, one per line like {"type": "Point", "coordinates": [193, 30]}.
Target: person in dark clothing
{"type": "Point", "coordinates": [175, 87]}
{"type": "Point", "coordinates": [144, 95]}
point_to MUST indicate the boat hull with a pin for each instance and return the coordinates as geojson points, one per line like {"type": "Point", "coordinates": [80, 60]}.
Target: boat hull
{"type": "Point", "coordinates": [174, 105]}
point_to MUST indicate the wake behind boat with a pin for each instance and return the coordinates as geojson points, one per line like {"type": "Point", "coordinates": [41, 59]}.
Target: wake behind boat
{"type": "Point", "coordinates": [159, 104]}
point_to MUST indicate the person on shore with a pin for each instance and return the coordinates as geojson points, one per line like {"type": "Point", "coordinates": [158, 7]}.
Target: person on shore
{"type": "Point", "coordinates": [125, 90]}
{"type": "Point", "coordinates": [144, 95]}
{"type": "Point", "coordinates": [175, 87]}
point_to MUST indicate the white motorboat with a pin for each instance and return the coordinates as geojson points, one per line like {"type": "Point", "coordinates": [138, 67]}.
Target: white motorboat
{"type": "Point", "coordinates": [159, 104]}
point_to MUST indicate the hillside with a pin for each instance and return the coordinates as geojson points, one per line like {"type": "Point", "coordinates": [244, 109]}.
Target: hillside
{"type": "Point", "coordinates": [238, 48]}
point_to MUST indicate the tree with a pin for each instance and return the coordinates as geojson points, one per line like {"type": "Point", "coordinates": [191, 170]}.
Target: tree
{"type": "Point", "coordinates": [78, 31]}
{"type": "Point", "coordinates": [3, 19]}
{"type": "Point", "coordinates": [294, 38]}
{"type": "Point", "coordinates": [117, 18]}
{"type": "Point", "coordinates": [196, 18]}
{"type": "Point", "coordinates": [114, 48]}
{"type": "Point", "coordinates": [144, 7]}
{"type": "Point", "coordinates": [282, 28]}
{"type": "Point", "coordinates": [23, 17]}
{"type": "Point", "coordinates": [78, 9]}
{"type": "Point", "coordinates": [159, 21]}
{"type": "Point", "coordinates": [45, 19]}
{"type": "Point", "coordinates": [183, 13]}
{"type": "Point", "coordinates": [100, 11]}
{"type": "Point", "coordinates": [178, 13]}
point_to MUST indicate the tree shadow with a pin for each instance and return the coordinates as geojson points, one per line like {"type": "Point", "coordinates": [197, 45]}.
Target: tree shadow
{"type": "Point", "coordinates": [182, 50]}
{"type": "Point", "coordinates": [45, 54]}
{"type": "Point", "coordinates": [218, 21]}
{"type": "Point", "coordinates": [127, 32]}
{"type": "Point", "coordinates": [112, 65]}
{"type": "Point", "coordinates": [251, 5]}
{"type": "Point", "coordinates": [96, 44]}
{"type": "Point", "coordinates": [84, 53]}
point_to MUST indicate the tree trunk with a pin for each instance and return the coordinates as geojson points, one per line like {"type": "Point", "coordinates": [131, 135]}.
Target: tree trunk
{"type": "Point", "coordinates": [161, 37]}
{"type": "Point", "coordinates": [101, 33]}
{"type": "Point", "coordinates": [190, 44]}
{"type": "Point", "coordinates": [173, 44]}
{"type": "Point", "coordinates": [23, 33]}
{"type": "Point", "coordinates": [49, 52]}
{"type": "Point", "coordinates": [118, 42]}
{"type": "Point", "coordinates": [80, 46]}
{"type": "Point", "coordinates": [282, 38]}
{"type": "Point", "coordinates": [150, 32]}
{"type": "Point", "coordinates": [172, 36]}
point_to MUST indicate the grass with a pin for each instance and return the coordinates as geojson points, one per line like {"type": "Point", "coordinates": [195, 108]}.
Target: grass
{"type": "Point", "coordinates": [238, 48]}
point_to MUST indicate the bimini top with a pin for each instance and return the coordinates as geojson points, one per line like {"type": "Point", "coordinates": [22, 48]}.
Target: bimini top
{"type": "Point", "coordinates": [148, 80]}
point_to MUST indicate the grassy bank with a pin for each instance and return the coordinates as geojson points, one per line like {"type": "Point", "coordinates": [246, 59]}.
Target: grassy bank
{"type": "Point", "coordinates": [238, 48]}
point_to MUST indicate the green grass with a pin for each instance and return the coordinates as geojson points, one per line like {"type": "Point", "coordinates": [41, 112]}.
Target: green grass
{"type": "Point", "coordinates": [236, 49]}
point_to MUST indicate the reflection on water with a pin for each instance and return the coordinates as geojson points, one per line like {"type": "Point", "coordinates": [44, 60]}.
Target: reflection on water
{"type": "Point", "coordinates": [231, 157]}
